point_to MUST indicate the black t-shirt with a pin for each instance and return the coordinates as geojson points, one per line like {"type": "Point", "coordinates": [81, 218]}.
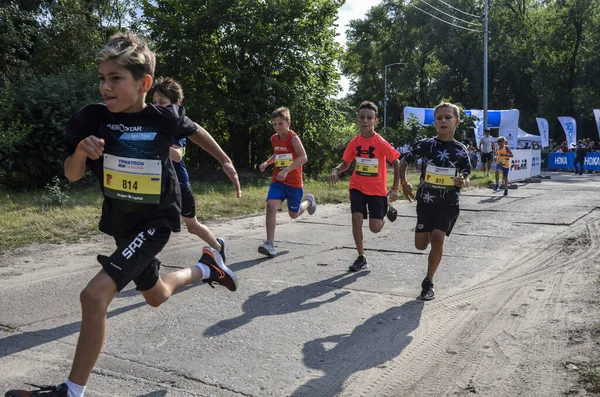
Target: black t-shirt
{"type": "Point", "coordinates": [581, 151]}
{"type": "Point", "coordinates": [440, 160]}
{"type": "Point", "coordinates": [136, 175]}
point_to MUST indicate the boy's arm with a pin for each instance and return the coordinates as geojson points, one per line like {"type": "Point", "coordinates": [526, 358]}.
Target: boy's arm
{"type": "Point", "coordinates": [509, 152]}
{"type": "Point", "coordinates": [407, 188]}
{"type": "Point", "coordinates": [300, 159]}
{"type": "Point", "coordinates": [75, 164]}
{"type": "Point", "coordinates": [393, 192]}
{"type": "Point", "coordinates": [176, 153]}
{"type": "Point", "coordinates": [336, 171]}
{"type": "Point", "coordinates": [203, 139]}
{"type": "Point", "coordinates": [263, 166]}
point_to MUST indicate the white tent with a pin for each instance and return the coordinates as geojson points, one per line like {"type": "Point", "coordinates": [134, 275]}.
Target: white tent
{"type": "Point", "coordinates": [525, 137]}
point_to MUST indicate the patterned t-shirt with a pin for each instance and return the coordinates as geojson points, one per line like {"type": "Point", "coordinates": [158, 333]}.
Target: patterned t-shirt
{"type": "Point", "coordinates": [135, 173]}
{"type": "Point", "coordinates": [440, 161]}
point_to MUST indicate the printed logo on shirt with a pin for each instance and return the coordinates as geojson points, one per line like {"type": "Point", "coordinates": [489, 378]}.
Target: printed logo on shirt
{"type": "Point", "coordinates": [370, 152]}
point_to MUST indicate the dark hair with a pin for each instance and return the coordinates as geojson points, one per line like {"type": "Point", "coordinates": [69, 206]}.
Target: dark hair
{"type": "Point", "coordinates": [282, 112]}
{"type": "Point", "coordinates": [368, 105]}
{"type": "Point", "coordinates": [168, 88]}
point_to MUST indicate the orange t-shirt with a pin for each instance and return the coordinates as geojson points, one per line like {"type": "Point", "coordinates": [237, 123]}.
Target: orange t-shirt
{"type": "Point", "coordinates": [285, 154]}
{"type": "Point", "coordinates": [370, 154]}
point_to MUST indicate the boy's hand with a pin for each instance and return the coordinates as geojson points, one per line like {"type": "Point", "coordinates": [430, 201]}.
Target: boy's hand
{"type": "Point", "coordinates": [92, 147]}
{"type": "Point", "coordinates": [282, 174]}
{"type": "Point", "coordinates": [333, 177]}
{"type": "Point", "coordinates": [459, 181]}
{"type": "Point", "coordinates": [392, 194]}
{"type": "Point", "coordinates": [263, 166]}
{"type": "Point", "coordinates": [230, 171]}
{"type": "Point", "coordinates": [407, 190]}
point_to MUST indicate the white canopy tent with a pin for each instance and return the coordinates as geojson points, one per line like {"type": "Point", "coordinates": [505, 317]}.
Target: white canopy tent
{"type": "Point", "coordinates": [525, 137]}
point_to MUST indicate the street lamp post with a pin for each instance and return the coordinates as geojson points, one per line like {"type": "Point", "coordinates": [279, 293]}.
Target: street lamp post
{"type": "Point", "coordinates": [385, 98]}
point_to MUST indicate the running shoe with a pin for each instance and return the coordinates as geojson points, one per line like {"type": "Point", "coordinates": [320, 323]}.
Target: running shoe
{"type": "Point", "coordinates": [268, 249]}
{"type": "Point", "coordinates": [359, 264]}
{"type": "Point", "coordinates": [495, 188]}
{"type": "Point", "coordinates": [219, 273]}
{"type": "Point", "coordinates": [222, 252]}
{"type": "Point", "coordinates": [313, 204]}
{"type": "Point", "coordinates": [506, 192]}
{"type": "Point", "coordinates": [392, 214]}
{"type": "Point", "coordinates": [42, 391]}
{"type": "Point", "coordinates": [427, 293]}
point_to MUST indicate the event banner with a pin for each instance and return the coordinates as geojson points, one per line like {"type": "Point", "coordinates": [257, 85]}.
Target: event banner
{"type": "Point", "coordinates": [478, 126]}
{"type": "Point", "coordinates": [565, 161]}
{"type": "Point", "coordinates": [544, 130]}
{"type": "Point", "coordinates": [570, 127]}
{"type": "Point", "coordinates": [597, 118]}
{"type": "Point", "coordinates": [520, 165]}
{"type": "Point", "coordinates": [509, 127]}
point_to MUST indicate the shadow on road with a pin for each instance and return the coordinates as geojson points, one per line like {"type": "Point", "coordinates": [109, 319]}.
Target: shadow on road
{"type": "Point", "coordinates": [378, 340]}
{"type": "Point", "coordinates": [290, 300]}
{"type": "Point", "coordinates": [159, 393]}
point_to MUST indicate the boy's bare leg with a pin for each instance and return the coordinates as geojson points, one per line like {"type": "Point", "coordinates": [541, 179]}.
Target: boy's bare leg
{"type": "Point", "coordinates": [202, 231]}
{"type": "Point", "coordinates": [435, 255]}
{"type": "Point", "coordinates": [375, 225]}
{"type": "Point", "coordinates": [272, 208]}
{"type": "Point", "coordinates": [505, 182]}
{"type": "Point", "coordinates": [170, 283]}
{"type": "Point", "coordinates": [95, 298]}
{"type": "Point", "coordinates": [497, 178]}
{"type": "Point", "coordinates": [303, 207]}
{"type": "Point", "coordinates": [357, 233]}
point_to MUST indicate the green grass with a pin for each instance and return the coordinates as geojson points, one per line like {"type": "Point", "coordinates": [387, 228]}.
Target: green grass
{"type": "Point", "coordinates": [29, 218]}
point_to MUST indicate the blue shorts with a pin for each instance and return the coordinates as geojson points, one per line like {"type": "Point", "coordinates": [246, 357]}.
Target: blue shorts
{"type": "Point", "coordinates": [280, 191]}
{"type": "Point", "coordinates": [501, 168]}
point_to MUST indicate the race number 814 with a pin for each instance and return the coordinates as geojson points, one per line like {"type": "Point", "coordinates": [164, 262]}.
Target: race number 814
{"type": "Point", "coordinates": [129, 185]}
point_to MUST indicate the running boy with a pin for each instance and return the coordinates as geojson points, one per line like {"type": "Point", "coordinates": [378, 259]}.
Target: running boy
{"type": "Point", "coordinates": [165, 92]}
{"type": "Point", "coordinates": [126, 145]}
{"type": "Point", "coordinates": [368, 190]}
{"type": "Point", "coordinates": [503, 155]}
{"type": "Point", "coordinates": [445, 169]}
{"type": "Point", "coordinates": [288, 157]}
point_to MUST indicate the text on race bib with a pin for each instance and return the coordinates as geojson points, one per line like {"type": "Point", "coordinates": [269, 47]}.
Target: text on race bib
{"type": "Point", "coordinates": [439, 176]}
{"type": "Point", "coordinates": [283, 160]}
{"type": "Point", "coordinates": [367, 167]}
{"type": "Point", "coordinates": [129, 179]}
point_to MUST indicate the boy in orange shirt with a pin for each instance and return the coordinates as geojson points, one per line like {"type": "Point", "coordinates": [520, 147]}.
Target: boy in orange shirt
{"type": "Point", "coordinates": [288, 157]}
{"type": "Point", "coordinates": [368, 190]}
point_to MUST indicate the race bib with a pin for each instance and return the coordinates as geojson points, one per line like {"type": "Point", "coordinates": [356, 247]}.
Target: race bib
{"type": "Point", "coordinates": [367, 167]}
{"type": "Point", "coordinates": [502, 162]}
{"type": "Point", "coordinates": [440, 177]}
{"type": "Point", "coordinates": [137, 180]}
{"type": "Point", "coordinates": [283, 160]}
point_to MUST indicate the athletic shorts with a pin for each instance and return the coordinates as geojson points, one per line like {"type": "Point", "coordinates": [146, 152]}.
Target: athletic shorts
{"type": "Point", "coordinates": [135, 258]}
{"type": "Point", "coordinates": [188, 201]}
{"type": "Point", "coordinates": [375, 206]}
{"type": "Point", "coordinates": [501, 168]}
{"type": "Point", "coordinates": [281, 191]}
{"type": "Point", "coordinates": [436, 217]}
{"type": "Point", "coordinates": [486, 156]}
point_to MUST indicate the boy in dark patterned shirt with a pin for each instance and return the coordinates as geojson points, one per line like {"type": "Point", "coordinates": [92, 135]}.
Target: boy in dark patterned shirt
{"type": "Point", "coordinates": [445, 169]}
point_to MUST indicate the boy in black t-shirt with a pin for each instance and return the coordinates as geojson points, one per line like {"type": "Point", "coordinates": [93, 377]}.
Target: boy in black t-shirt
{"type": "Point", "coordinates": [126, 145]}
{"type": "Point", "coordinates": [445, 168]}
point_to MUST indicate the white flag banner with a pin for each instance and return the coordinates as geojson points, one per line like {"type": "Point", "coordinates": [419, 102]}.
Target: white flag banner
{"type": "Point", "coordinates": [597, 117]}
{"type": "Point", "coordinates": [544, 130]}
{"type": "Point", "coordinates": [570, 127]}
{"type": "Point", "coordinates": [478, 125]}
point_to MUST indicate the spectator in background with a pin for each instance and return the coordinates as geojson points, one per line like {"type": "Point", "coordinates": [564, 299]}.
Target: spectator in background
{"type": "Point", "coordinates": [580, 153]}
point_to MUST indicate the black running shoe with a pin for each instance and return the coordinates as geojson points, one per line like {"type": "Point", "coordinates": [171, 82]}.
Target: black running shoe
{"type": "Point", "coordinates": [506, 192]}
{"type": "Point", "coordinates": [392, 214]}
{"type": "Point", "coordinates": [222, 252]}
{"type": "Point", "coordinates": [42, 391]}
{"type": "Point", "coordinates": [428, 293]}
{"type": "Point", "coordinates": [219, 273]}
{"type": "Point", "coordinates": [359, 264]}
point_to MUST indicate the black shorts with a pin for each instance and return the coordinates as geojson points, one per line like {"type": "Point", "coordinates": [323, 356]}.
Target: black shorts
{"type": "Point", "coordinates": [436, 217]}
{"type": "Point", "coordinates": [188, 202]}
{"type": "Point", "coordinates": [486, 157]}
{"type": "Point", "coordinates": [135, 258]}
{"type": "Point", "coordinates": [359, 202]}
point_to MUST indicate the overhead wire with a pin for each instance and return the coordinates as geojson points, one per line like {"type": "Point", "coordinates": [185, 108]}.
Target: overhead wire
{"type": "Point", "coordinates": [459, 10]}
{"type": "Point", "coordinates": [442, 20]}
{"type": "Point", "coordinates": [451, 16]}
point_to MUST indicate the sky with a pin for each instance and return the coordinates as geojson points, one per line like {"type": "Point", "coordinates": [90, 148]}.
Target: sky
{"type": "Point", "coordinates": [353, 9]}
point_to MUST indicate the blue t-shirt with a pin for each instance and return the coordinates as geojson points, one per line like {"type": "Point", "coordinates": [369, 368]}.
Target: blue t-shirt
{"type": "Point", "coordinates": [182, 174]}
